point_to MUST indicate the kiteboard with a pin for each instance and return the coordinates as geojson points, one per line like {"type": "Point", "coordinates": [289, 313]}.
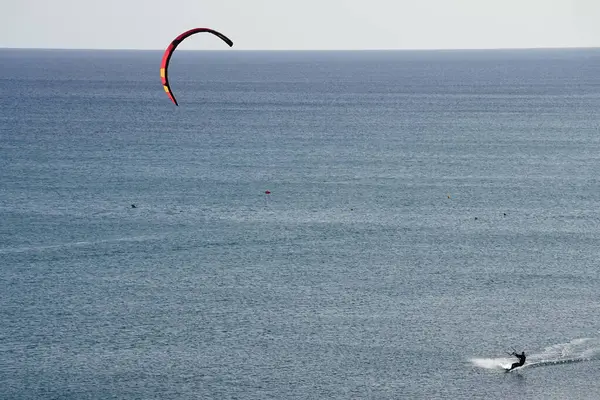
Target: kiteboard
{"type": "Point", "coordinates": [507, 369]}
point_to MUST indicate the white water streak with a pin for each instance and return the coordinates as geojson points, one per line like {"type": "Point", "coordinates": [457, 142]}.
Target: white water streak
{"type": "Point", "coordinates": [41, 248]}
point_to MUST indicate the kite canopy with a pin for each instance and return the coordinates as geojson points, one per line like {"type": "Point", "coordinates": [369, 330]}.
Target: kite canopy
{"type": "Point", "coordinates": [164, 67]}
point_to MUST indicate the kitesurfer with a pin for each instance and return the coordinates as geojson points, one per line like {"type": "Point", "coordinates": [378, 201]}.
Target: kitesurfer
{"type": "Point", "coordinates": [521, 361]}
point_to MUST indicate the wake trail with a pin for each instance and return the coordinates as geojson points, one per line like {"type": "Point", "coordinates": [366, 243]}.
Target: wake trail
{"type": "Point", "coordinates": [41, 248]}
{"type": "Point", "coordinates": [575, 351]}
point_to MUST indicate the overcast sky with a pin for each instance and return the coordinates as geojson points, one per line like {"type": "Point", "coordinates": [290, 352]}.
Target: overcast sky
{"type": "Point", "coordinates": [302, 24]}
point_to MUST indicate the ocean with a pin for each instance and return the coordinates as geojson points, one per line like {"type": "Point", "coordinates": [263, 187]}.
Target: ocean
{"type": "Point", "coordinates": [305, 225]}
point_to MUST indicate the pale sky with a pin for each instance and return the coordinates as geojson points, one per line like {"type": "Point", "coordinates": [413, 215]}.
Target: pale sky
{"type": "Point", "coordinates": [301, 24]}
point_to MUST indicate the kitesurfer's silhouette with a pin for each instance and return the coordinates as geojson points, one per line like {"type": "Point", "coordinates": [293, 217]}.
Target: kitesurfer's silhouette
{"type": "Point", "coordinates": [521, 361]}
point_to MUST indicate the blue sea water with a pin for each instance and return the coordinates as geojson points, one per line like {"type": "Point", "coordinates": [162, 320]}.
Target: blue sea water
{"type": "Point", "coordinates": [428, 212]}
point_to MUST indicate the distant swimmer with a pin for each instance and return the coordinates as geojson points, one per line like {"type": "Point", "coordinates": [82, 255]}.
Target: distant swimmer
{"type": "Point", "coordinates": [133, 206]}
{"type": "Point", "coordinates": [521, 361]}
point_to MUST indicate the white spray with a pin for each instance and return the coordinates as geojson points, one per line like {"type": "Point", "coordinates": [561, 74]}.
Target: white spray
{"type": "Point", "coordinates": [577, 350]}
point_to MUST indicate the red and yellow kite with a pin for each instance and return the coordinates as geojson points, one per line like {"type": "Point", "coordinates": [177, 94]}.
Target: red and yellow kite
{"type": "Point", "coordinates": [164, 67]}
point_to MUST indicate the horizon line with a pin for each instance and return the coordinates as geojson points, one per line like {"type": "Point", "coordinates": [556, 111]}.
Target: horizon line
{"type": "Point", "coordinates": [314, 50]}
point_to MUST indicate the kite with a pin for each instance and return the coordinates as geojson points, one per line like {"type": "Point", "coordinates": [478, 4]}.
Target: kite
{"type": "Point", "coordinates": [164, 67]}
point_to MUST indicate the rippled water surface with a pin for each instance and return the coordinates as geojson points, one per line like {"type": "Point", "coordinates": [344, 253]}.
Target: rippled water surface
{"type": "Point", "coordinates": [428, 213]}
